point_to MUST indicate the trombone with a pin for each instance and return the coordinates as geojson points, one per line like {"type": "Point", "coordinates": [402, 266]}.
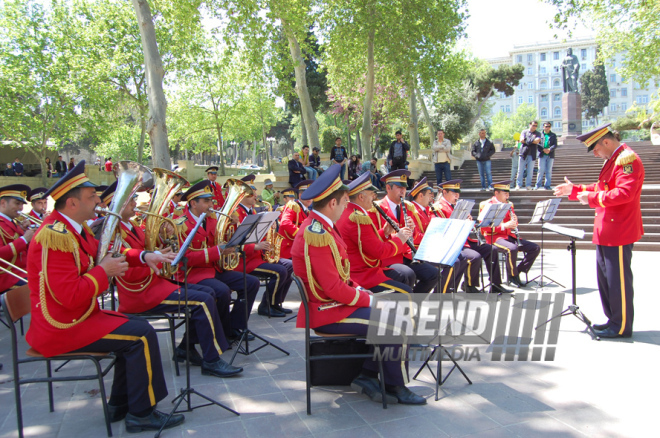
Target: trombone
{"type": "Point", "coordinates": [36, 223]}
{"type": "Point", "coordinates": [13, 266]}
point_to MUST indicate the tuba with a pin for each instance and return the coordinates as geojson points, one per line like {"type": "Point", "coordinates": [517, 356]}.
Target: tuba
{"type": "Point", "coordinates": [131, 178]}
{"type": "Point", "coordinates": [166, 185]}
{"type": "Point", "coordinates": [236, 191]}
{"type": "Point", "coordinates": [275, 240]}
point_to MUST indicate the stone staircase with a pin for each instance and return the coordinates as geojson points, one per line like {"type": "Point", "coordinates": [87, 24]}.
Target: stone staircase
{"type": "Point", "coordinates": [581, 168]}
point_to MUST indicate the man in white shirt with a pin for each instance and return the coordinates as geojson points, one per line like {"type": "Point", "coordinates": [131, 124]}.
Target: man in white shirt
{"type": "Point", "coordinates": [441, 157]}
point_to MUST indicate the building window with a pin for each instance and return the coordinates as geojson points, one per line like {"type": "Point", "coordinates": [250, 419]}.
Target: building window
{"type": "Point", "coordinates": [508, 108]}
{"type": "Point", "coordinates": [583, 53]}
{"type": "Point", "coordinates": [642, 100]}
{"type": "Point", "coordinates": [558, 125]}
{"type": "Point", "coordinates": [556, 69]}
{"type": "Point", "coordinates": [585, 123]}
{"type": "Point", "coordinates": [613, 108]}
{"type": "Point", "coordinates": [555, 55]}
{"type": "Point", "coordinates": [530, 85]}
{"type": "Point", "coordinates": [530, 58]}
{"type": "Point", "coordinates": [544, 112]}
{"type": "Point", "coordinates": [557, 111]}
{"type": "Point", "coordinates": [613, 77]}
{"type": "Point", "coordinates": [520, 100]}
{"type": "Point", "coordinates": [544, 85]}
{"type": "Point", "coordinates": [624, 92]}
{"type": "Point", "coordinates": [624, 107]}
{"type": "Point", "coordinates": [530, 71]}
{"type": "Point", "coordinates": [519, 59]}
{"type": "Point", "coordinates": [543, 70]}
{"type": "Point", "coordinates": [555, 83]}
{"type": "Point", "coordinates": [544, 97]}
{"type": "Point", "coordinates": [542, 56]}
{"type": "Point", "coordinates": [556, 97]}
{"type": "Point", "coordinates": [613, 93]}
{"type": "Point", "coordinates": [583, 67]}
{"type": "Point", "coordinates": [502, 95]}
{"type": "Point", "coordinates": [501, 108]}
{"type": "Point", "coordinates": [530, 99]}
{"type": "Point", "coordinates": [521, 86]}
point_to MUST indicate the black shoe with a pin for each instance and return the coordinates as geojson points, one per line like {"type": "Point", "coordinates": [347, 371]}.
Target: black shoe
{"type": "Point", "coordinates": [195, 357]}
{"type": "Point", "coordinates": [498, 288]}
{"type": "Point", "coordinates": [405, 396]}
{"type": "Point", "coordinates": [370, 386]}
{"type": "Point", "coordinates": [600, 327]}
{"type": "Point", "coordinates": [153, 421]}
{"type": "Point", "coordinates": [282, 309]}
{"type": "Point", "coordinates": [220, 369]}
{"type": "Point", "coordinates": [236, 335]}
{"type": "Point", "coordinates": [274, 313]}
{"type": "Point", "coordinates": [516, 281]}
{"type": "Point", "coordinates": [611, 332]}
{"type": "Point", "coordinates": [117, 413]}
{"type": "Point", "coordinates": [472, 290]}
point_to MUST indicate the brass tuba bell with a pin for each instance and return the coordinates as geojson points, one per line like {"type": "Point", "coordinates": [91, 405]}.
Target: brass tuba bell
{"type": "Point", "coordinates": [236, 191]}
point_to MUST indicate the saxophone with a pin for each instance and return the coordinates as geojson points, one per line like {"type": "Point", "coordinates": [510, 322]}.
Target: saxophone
{"type": "Point", "coordinates": [275, 240]}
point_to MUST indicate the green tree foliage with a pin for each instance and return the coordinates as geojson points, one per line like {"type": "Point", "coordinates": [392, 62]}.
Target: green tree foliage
{"type": "Point", "coordinates": [505, 127]}
{"type": "Point", "coordinates": [594, 91]}
{"type": "Point", "coordinates": [488, 80]}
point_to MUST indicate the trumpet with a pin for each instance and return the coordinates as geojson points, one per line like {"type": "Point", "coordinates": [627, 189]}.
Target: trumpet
{"type": "Point", "coordinates": [36, 223]}
{"type": "Point", "coordinates": [12, 266]}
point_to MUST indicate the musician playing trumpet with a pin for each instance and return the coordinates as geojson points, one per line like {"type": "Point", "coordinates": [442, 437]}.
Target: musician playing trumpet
{"type": "Point", "coordinates": [474, 251]}
{"type": "Point", "coordinates": [39, 204]}
{"type": "Point", "coordinates": [320, 259]}
{"type": "Point", "coordinates": [15, 237]}
{"type": "Point", "coordinates": [505, 237]}
{"type": "Point", "coordinates": [422, 277]}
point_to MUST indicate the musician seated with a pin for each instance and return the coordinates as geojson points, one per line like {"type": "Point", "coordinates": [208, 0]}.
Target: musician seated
{"type": "Point", "coordinates": [66, 317]}
{"type": "Point", "coordinates": [205, 260]}
{"type": "Point", "coordinates": [278, 273]}
{"type": "Point", "coordinates": [16, 235]}
{"type": "Point", "coordinates": [141, 290]}
{"type": "Point", "coordinates": [39, 203]}
{"type": "Point", "coordinates": [294, 213]}
{"type": "Point", "coordinates": [422, 277]}
{"type": "Point", "coordinates": [505, 240]}
{"type": "Point", "coordinates": [474, 251]}
{"type": "Point", "coordinates": [320, 259]}
{"type": "Point", "coordinates": [422, 195]}
{"type": "Point", "coordinates": [367, 246]}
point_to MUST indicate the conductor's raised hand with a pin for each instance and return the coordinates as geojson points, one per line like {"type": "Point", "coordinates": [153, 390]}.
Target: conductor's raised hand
{"type": "Point", "coordinates": [564, 189]}
{"type": "Point", "coordinates": [114, 266]}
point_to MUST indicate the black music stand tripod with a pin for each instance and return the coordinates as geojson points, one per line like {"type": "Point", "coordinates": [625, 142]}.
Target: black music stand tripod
{"type": "Point", "coordinates": [188, 391]}
{"type": "Point", "coordinates": [544, 212]}
{"type": "Point", "coordinates": [251, 230]}
{"type": "Point", "coordinates": [572, 308]}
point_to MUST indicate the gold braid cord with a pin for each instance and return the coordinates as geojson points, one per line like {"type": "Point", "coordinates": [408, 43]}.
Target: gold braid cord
{"type": "Point", "coordinates": [126, 284]}
{"type": "Point", "coordinates": [317, 237]}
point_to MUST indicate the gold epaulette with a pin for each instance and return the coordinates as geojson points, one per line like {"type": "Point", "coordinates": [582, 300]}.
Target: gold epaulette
{"type": "Point", "coordinates": [55, 236]}
{"type": "Point", "coordinates": [293, 205]}
{"type": "Point", "coordinates": [212, 215]}
{"type": "Point", "coordinates": [315, 235]}
{"type": "Point", "coordinates": [359, 218]}
{"type": "Point", "coordinates": [626, 157]}
{"type": "Point", "coordinates": [181, 223]}
{"type": "Point", "coordinates": [372, 210]}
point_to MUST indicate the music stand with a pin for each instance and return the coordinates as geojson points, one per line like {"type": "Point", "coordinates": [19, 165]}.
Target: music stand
{"type": "Point", "coordinates": [441, 245]}
{"type": "Point", "coordinates": [544, 212]}
{"type": "Point", "coordinates": [187, 392]}
{"type": "Point", "coordinates": [252, 230]}
{"type": "Point", "coordinates": [572, 308]}
{"type": "Point", "coordinates": [462, 209]}
{"type": "Point", "coordinates": [492, 216]}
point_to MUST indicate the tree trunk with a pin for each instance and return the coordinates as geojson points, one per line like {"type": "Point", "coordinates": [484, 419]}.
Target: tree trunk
{"type": "Point", "coordinates": [156, 126]}
{"type": "Point", "coordinates": [143, 133]}
{"type": "Point", "coordinates": [357, 140]}
{"type": "Point", "coordinates": [303, 129]}
{"type": "Point", "coordinates": [367, 130]}
{"type": "Point", "coordinates": [412, 126]}
{"type": "Point", "coordinates": [221, 150]}
{"type": "Point", "coordinates": [427, 117]}
{"type": "Point", "coordinates": [302, 91]}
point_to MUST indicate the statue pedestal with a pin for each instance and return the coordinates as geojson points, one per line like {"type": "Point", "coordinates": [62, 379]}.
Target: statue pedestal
{"type": "Point", "coordinates": [571, 119]}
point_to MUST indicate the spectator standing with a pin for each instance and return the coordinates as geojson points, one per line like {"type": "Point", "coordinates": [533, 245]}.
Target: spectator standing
{"type": "Point", "coordinates": [398, 154]}
{"type": "Point", "coordinates": [49, 168]}
{"type": "Point", "coordinates": [108, 164]}
{"type": "Point", "coordinates": [60, 167]}
{"type": "Point", "coordinates": [297, 171]}
{"type": "Point", "coordinates": [338, 155]}
{"type": "Point", "coordinates": [304, 157]}
{"type": "Point", "coordinates": [441, 157]}
{"type": "Point", "coordinates": [315, 161]}
{"type": "Point", "coordinates": [482, 150]}
{"type": "Point", "coordinates": [515, 154]}
{"type": "Point", "coordinates": [530, 139]}
{"type": "Point", "coordinates": [71, 164]}
{"type": "Point", "coordinates": [18, 167]}
{"type": "Point", "coordinates": [269, 194]}
{"type": "Point", "coordinates": [546, 151]}
{"type": "Point", "coordinates": [9, 171]}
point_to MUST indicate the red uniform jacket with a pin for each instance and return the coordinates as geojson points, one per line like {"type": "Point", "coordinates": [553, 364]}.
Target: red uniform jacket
{"type": "Point", "coordinates": [218, 199]}
{"type": "Point", "coordinates": [202, 254]}
{"type": "Point", "coordinates": [66, 314]}
{"type": "Point", "coordinates": [616, 198]}
{"type": "Point", "coordinates": [35, 215]}
{"type": "Point", "coordinates": [292, 216]}
{"type": "Point", "coordinates": [140, 289]}
{"type": "Point", "coordinates": [14, 250]}
{"type": "Point", "coordinates": [422, 219]}
{"type": "Point", "coordinates": [366, 246]}
{"type": "Point", "coordinates": [380, 223]}
{"type": "Point", "coordinates": [500, 232]}
{"type": "Point", "coordinates": [314, 263]}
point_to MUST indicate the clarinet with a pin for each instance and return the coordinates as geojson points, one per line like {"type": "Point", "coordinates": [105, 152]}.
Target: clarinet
{"type": "Point", "coordinates": [394, 225]}
{"type": "Point", "coordinates": [515, 230]}
{"type": "Point", "coordinates": [433, 210]}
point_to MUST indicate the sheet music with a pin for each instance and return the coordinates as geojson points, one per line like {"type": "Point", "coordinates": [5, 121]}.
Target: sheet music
{"type": "Point", "coordinates": [462, 209]}
{"type": "Point", "coordinates": [493, 214]}
{"type": "Point", "coordinates": [570, 232]}
{"type": "Point", "coordinates": [256, 225]}
{"type": "Point", "coordinates": [443, 241]}
{"type": "Point", "coordinates": [546, 210]}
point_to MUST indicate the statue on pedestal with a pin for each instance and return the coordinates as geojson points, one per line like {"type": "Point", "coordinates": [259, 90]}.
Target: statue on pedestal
{"type": "Point", "coordinates": [570, 69]}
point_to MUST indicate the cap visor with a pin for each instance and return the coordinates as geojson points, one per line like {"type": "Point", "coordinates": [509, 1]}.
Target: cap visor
{"type": "Point", "coordinates": [87, 184]}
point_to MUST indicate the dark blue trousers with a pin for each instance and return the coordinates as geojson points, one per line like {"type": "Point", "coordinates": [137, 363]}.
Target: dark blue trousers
{"type": "Point", "coordinates": [510, 248]}
{"type": "Point", "coordinates": [421, 277]}
{"type": "Point", "coordinates": [279, 280]}
{"type": "Point", "coordinates": [485, 251]}
{"type": "Point", "coordinates": [233, 280]}
{"type": "Point", "coordinates": [615, 284]}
